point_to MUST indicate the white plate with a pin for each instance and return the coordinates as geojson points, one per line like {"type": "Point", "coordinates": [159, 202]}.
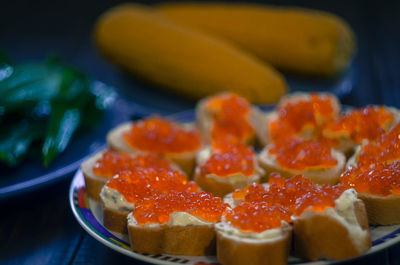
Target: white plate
{"type": "Point", "coordinates": [89, 215]}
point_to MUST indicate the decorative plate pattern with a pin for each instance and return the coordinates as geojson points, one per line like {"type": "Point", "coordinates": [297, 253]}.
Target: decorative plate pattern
{"type": "Point", "coordinates": [89, 215]}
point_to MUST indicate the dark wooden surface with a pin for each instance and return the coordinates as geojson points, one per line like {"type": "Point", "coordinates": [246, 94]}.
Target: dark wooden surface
{"type": "Point", "coordinates": [38, 228]}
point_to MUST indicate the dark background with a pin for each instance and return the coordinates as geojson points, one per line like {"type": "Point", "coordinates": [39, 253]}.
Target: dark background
{"type": "Point", "coordinates": [38, 228]}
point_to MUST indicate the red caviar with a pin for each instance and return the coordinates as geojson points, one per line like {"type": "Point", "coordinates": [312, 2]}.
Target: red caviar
{"type": "Point", "coordinates": [366, 123]}
{"type": "Point", "coordinates": [295, 194]}
{"type": "Point", "coordinates": [229, 158]}
{"type": "Point", "coordinates": [254, 188]}
{"type": "Point", "coordinates": [257, 217]}
{"type": "Point", "coordinates": [142, 183]}
{"type": "Point", "coordinates": [295, 116]}
{"type": "Point", "coordinates": [157, 208]}
{"type": "Point", "coordinates": [299, 154]}
{"type": "Point", "coordinates": [384, 149]}
{"type": "Point", "coordinates": [379, 179]}
{"type": "Point", "coordinates": [160, 136]}
{"type": "Point", "coordinates": [230, 117]}
{"type": "Point", "coordinates": [113, 162]}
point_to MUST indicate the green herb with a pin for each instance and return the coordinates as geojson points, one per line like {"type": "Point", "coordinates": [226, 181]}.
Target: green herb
{"type": "Point", "coordinates": [15, 144]}
{"type": "Point", "coordinates": [45, 103]}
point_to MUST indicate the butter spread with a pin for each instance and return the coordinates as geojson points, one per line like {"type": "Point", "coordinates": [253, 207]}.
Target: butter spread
{"type": "Point", "coordinates": [114, 200]}
{"type": "Point", "coordinates": [175, 219]}
{"type": "Point", "coordinates": [237, 180]}
{"type": "Point", "coordinates": [228, 231]}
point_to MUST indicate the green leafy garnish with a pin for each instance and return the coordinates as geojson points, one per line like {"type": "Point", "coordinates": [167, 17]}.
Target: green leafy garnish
{"type": "Point", "coordinates": [15, 144]}
{"type": "Point", "coordinates": [45, 103]}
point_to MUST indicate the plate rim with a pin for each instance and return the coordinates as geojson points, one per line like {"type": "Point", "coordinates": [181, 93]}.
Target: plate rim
{"type": "Point", "coordinates": [147, 258]}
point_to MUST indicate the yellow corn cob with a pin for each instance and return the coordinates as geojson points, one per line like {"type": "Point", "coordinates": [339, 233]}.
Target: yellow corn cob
{"type": "Point", "coordinates": [293, 39]}
{"type": "Point", "coordinates": [187, 62]}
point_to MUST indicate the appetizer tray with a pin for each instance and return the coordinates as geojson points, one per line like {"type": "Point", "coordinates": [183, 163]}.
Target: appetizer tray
{"type": "Point", "coordinates": [89, 215]}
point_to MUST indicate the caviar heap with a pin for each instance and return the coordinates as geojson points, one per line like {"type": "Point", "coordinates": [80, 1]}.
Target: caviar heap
{"type": "Point", "coordinates": [295, 117]}
{"type": "Point", "coordinates": [145, 182]}
{"type": "Point", "coordinates": [298, 154]}
{"type": "Point", "coordinates": [230, 117]}
{"type": "Point", "coordinates": [256, 217]}
{"type": "Point", "coordinates": [384, 149]}
{"type": "Point", "coordinates": [295, 194]}
{"type": "Point", "coordinates": [380, 179]}
{"type": "Point", "coordinates": [366, 123]}
{"type": "Point", "coordinates": [112, 163]}
{"type": "Point", "coordinates": [157, 208]}
{"type": "Point", "coordinates": [160, 136]}
{"type": "Point", "coordinates": [229, 158]}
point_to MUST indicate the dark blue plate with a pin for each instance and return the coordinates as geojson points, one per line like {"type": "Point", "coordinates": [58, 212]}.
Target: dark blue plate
{"type": "Point", "coordinates": [31, 175]}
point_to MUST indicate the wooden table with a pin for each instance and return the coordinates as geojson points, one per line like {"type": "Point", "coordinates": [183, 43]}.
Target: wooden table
{"type": "Point", "coordinates": [39, 228]}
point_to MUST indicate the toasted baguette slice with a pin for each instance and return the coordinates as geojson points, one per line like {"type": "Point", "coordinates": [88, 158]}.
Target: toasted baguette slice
{"type": "Point", "coordinates": [382, 210]}
{"type": "Point", "coordinates": [297, 96]}
{"type": "Point", "coordinates": [220, 186]}
{"type": "Point", "coordinates": [316, 175]}
{"type": "Point", "coordinates": [195, 238]}
{"type": "Point", "coordinates": [204, 120]}
{"type": "Point", "coordinates": [93, 183]}
{"type": "Point", "coordinates": [389, 142]}
{"type": "Point", "coordinates": [115, 210]}
{"type": "Point", "coordinates": [186, 161]}
{"type": "Point", "coordinates": [346, 144]}
{"type": "Point", "coordinates": [120, 194]}
{"type": "Point", "coordinates": [352, 161]}
{"type": "Point", "coordinates": [308, 131]}
{"type": "Point", "coordinates": [262, 129]}
{"type": "Point", "coordinates": [241, 248]}
{"type": "Point", "coordinates": [337, 233]}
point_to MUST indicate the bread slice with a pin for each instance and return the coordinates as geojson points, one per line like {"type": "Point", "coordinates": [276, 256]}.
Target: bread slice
{"type": "Point", "coordinates": [186, 160]}
{"type": "Point", "coordinates": [389, 142]}
{"type": "Point", "coordinates": [191, 239]}
{"type": "Point", "coordinates": [204, 120]}
{"type": "Point", "coordinates": [115, 220]}
{"type": "Point", "coordinates": [304, 96]}
{"type": "Point", "coordinates": [346, 144]}
{"type": "Point", "coordinates": [93, 183]}
{"type": "Point", "coordinates": [337, 233]}
{"type": "Point", "coordinates": [115, 210]}
{"type": "Point", "coordinates": [237, 248]}
{"type": "Point", "coordinates": [220, 186]}
{"type": "Point", "coordinates": [120, 194]}
{"type": "Point", "coordinates": [315, 174]}
{"type": "Point", "coordinates": [308, 131]}
{"type": "Point", "coordinates": [262, 128]}
{"type": "Point", "coordinates": [382, 210]}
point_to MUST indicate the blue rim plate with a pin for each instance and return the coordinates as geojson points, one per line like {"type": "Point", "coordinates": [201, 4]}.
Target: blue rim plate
{"type": "Point", "coordinates": [89, 215]}
{"type": "Point", "coordinates": [31, 175]}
